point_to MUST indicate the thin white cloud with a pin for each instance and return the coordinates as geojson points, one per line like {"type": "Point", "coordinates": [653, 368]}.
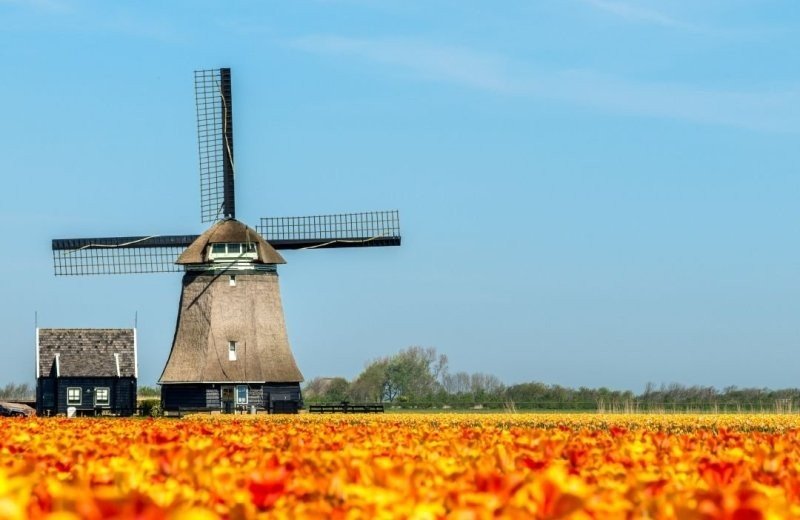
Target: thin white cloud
{"type": "Point", "coordinates": [109, 18]}
{"type": "Point", "coordinates": [764, 109]}
{"type": "Point", "coordinates": [134, 26]}
{"type": "Point", "coordinates": [49, 6]}
{"type": "Point", "coordinates": [435, 62]}
{"type": "Point", "coordinates": [637, 13]}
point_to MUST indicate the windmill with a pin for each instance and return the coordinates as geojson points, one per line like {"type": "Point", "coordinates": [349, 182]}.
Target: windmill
{"type": "Point", "coordinates": [230, 347]}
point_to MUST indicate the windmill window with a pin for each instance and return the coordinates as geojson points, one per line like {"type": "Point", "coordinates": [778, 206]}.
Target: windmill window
{"type": "Point", "coordinates": [232, 281]}
{"type": "Point", "coordinates": [73, 395]}
{"type": "Point", "coordinates": [241, 394]}
{"type": "Point", "coordinates": [233, 252]}
{"type": "Point", "coordinates": [231, 351]}
{"type": "Point", "coordinates": [101, 397]}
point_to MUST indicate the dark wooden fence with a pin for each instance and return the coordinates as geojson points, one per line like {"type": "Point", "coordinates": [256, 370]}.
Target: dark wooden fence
{"type": "Point", "coordinates": [346, 407]}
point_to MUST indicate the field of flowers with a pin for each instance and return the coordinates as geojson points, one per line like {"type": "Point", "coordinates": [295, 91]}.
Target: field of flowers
{"type": "Point", "coordinates": [409, 466]}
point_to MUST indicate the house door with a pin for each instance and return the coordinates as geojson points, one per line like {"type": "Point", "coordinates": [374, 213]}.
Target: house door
{"type": "Point", "coordinates": [227, 398]}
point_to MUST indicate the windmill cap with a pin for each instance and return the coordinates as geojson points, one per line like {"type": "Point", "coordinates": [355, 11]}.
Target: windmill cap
{"type": "Point", "coordinates": [229, 231]}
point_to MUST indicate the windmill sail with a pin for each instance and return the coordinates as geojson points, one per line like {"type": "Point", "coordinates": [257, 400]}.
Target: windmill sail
{"type": "Point", "coordinates": [119, 255]}
{"type": "Point", "coordinates": [157, 254]}
{"type": "Point", "coordinates": [215, 143]}
{"type": "Point", "coordinates": [371, 229]}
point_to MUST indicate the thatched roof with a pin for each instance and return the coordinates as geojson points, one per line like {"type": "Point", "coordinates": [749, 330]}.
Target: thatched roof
{"type": "Point", "coordinates": [229, 231]}
{"type": "Point", "coordinates": [214, 313]}
{"type": "Point", "coordinates": [86, 352]}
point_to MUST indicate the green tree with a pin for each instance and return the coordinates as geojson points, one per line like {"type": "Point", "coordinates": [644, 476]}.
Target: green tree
{"type": "Point", "coordinates": [369, 385]}
{"type": "Point", "coordinates": [326, 390]}
{"type": "Point", "coordinates": [337, 390]}
{"type": "Point", "coordinates": [410, 375]}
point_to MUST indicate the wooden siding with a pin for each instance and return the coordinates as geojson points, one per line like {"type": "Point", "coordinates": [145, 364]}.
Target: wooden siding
{"type": "Point", "coordinates": [194, 396]}
{"type": "Point", "coordinates": [51, 395]}
{"type": "Point", "coordinates": [255, 396]}
{"type": "Point", "coordinates": [45, 394]}
{"type": "Point", "coordinates": [275, 392]}
{"type": "Point", "coordinates": [212, 398]}
{"type": "Point", "coordinates": [174, 397]}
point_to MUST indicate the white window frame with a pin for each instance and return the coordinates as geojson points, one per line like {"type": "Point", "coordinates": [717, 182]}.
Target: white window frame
{"type": "Point", "coordinates": [108, 396]}
{"type": "Point", "coordinates": [246, 394]}
{"type": "Point", "coordinates": [232, 280]}
{"type": "Point", "coordinates": [80, 396]}
{"type": "Point", "coordinates": [233, 251]}
{"type": "Point", "coordinates": [231, 351]}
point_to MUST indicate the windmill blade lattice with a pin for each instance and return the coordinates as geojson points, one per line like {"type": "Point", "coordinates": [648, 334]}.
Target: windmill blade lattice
{"type": "Point", "coordinates": [119, 255]}
{"type": "Point", "coordinates": [370, 229]}
{"type": "Point", "coordinates": [215, 143]}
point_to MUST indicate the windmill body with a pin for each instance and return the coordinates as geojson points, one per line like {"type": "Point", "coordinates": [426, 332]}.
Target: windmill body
{"type": "Point", "coordinates": [231, 348]}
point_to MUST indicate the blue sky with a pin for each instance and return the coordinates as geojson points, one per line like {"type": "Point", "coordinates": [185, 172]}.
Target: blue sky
{"type": "Point", "coordinates": [592, 192]}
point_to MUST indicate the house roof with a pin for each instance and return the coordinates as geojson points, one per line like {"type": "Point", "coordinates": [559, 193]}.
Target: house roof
{"type": "Point", "coordinates": [86, 352]}
{"type": "Point", "coordinates": [229, 231]}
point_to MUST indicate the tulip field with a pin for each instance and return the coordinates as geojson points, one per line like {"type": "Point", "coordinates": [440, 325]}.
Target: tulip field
{"type": "Point", "coordinates": [402, 466]}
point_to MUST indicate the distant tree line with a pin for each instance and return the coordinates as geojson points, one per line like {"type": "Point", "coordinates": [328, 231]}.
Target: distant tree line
{"type": "Point", "coordinates": [22, 392]}
{"type": "Point", "coordinates": [148, 391]}
{"type": "Point", "coordinates": [418, 377]}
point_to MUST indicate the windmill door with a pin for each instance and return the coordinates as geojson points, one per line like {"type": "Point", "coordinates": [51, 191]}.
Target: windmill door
{"type": "Point", "coordinates": [227, 398]}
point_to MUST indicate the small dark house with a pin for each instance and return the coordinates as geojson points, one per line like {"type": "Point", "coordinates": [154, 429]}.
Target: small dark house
{"type": "Point", "coordinates": [91, 370]}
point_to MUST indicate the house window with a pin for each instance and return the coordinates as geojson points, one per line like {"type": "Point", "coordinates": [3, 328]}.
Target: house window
{"type": "Point", "coordinates": [241, 394]}
{"type": "Point", "coordinates": [101, 397]}
{"type": "Point", "coordinates": [232, 281]}
{"type": "Point", "coordinates": [231, 351]}
{"type": "Point", "coordinates": [73, 395]}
